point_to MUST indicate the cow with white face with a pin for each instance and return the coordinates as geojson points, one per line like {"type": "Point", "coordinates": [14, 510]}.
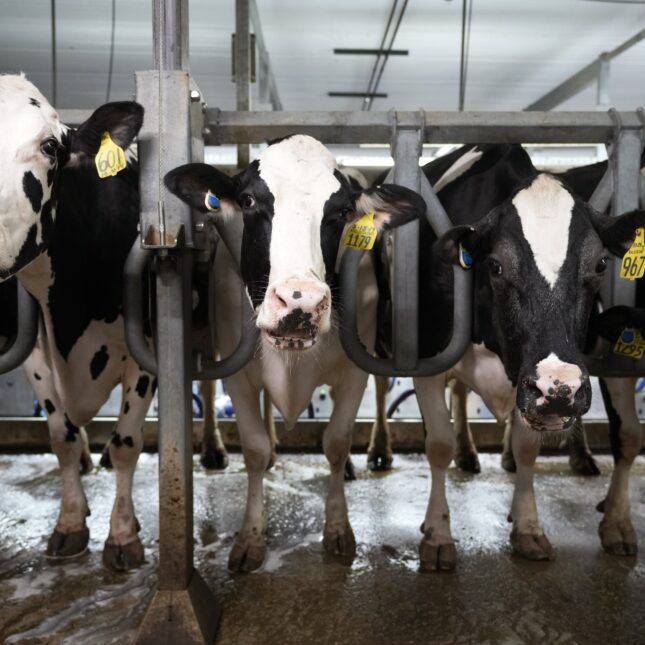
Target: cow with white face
{"type": "Point", "coordinates": [66, 234]}
{"type": "Point", "coordinates": [294, 204]}
{"type": "Point", "coordinates": [539, 257]}
{"type": "Point", "coordinates": [31, 153]}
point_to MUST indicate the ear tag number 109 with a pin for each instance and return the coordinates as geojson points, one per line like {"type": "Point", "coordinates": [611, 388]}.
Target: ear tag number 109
{"type": "Point", "coordinates": [110, 159]}
{"type": "Point", "coordinates": [362, 233]}
{"type": "Point", "coordinates": [633, 264]}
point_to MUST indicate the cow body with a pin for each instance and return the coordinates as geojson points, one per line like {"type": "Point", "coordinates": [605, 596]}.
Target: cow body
{"type": "Point", "coordinates": [76, 277]}
{"type": "Point", "coordinates": [294, 204]}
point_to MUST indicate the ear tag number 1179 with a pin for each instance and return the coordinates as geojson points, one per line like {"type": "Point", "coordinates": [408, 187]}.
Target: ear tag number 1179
{"type": "Point", "coordinates": [362, 233]}
{"type": "Point", "coordinates": [110, 159]}
{"type": "Point", "coordinates": [633, 264]}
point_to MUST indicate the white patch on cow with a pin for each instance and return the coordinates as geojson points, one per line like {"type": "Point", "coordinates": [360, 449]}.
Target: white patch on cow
{"type": "Point", "coordinates": [299, 172]}
{"type": "Point", "coordinates": [23, 128]}
{"type": "Point", "coordinates": [552, 373]}
{"type": "Point", "coordinates": [462, 165]}
{"type": "Point", "coordinates": [355, 174]}
{"type": "Point", "coordinates": [545, 210]}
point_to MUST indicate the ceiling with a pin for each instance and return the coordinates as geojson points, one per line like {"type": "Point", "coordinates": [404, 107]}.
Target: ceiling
{"type": "Point", "coordinates": [518, 50]}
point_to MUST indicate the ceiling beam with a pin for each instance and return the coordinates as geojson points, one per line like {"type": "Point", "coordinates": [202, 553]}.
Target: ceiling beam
{"type": "Point", "coordinates": [581, 79]}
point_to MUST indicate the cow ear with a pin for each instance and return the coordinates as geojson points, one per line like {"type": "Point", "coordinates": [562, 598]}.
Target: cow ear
{"type": "Point", "coordinates": [611, 322]}
{"type": "Point", "coordinates": [201, 186]}
{"type": "Point", "coordinates": [618, 233]}
{"type": "Point", "coordinates": [392, 205]}
{"type": "Point", "coordinates": [121, 120]}
{"type": "Point", "coordinates": [464, 245]}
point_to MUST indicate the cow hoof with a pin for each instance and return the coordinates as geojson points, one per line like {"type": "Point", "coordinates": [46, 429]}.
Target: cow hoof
{"type": "Point", "coordinates": [86, 463]}
{"type": "Point", "coordinates": [106, 460]}
{"type": "Point", "coordinates": [67, 545]}
{"type": "Point", "coordinates": [437, 557]}
{"type": "Point", "coordinates": [532, 546]}
{"type": "Point", "coordinates": [379, 461]}
{"type": "Point", "coordinates": [508, 462]}
{"type": "Point", "coordinates": [468, 462]}
{"type": "Point", "coordinates": [350, 472]}
{"type": "Point", "coordinates": [245, 557]}
{"type": "Point", "coordinates": [584, 464]}
{"type": "Point", "coordinates": [123, 557]}
{"type": "Point", "coordinates": [214, 459]}
{"type": "Point", "coordinates": [618, 538]}
{"type": "Point", "coordinates": [272, 460]}
{"type": "Point", "coordinates": [340, 541]}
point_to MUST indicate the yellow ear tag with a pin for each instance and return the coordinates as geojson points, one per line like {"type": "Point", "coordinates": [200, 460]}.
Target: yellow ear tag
{"type": "Point", "coordinates": [633, 264]}
{"type": "Point", "coordinates": [362, 233]}
{"type": "Point", "coordinates": [110, 159]}
{"type": "Point", "coordinates": [630, 343]}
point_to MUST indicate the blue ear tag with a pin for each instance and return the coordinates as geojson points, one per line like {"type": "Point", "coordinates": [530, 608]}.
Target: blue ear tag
{"type": "Point", "coordinates": [627, 336]}
{"type": "Point", "coordinates": [465, 259]}
{"type": "Point", "coordinates": [211, 202]}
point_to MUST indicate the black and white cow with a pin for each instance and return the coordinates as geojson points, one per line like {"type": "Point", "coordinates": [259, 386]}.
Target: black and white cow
{"type": "Point", "coordinates": [294, 204]}
{"type": "Point", "coordinates": [66, 234]}
{"type": "Point", "coordinates": [538, 259]}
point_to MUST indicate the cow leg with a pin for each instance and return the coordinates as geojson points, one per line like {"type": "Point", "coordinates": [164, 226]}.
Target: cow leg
{"type": "Point", "coordinates": [213, 455]}
{"type": "Point", "coordinates": [338, 537]}
{"type": "Point", "coordinates": [86, 456]}
{"type": "Point", "coordinates": [249, 547]}
{"type": "Point", "coordinates": [437, 549]}
{"type": "Point", "coordinates": [269, 424]}
{"type": "Point", "coordinates": [580, 458]}
{"type": "Point", "coordinates": [105, 460]}
{"type": "Point", "coordinates": [350, 471]}
{"type": "Point", "coordinates": [379, 452]}
{"type": "Point", "coordinates": [617, 534]}
{"type": "Point", "coordinates": [71, 535]}
{"type": "Point", "coordinates": [527, 536]}
{"type": "Point", "coordinates": [123, 549]}
{"type": "Point", "coordinates": [466, 458]}
{"type": "Point", "coordinates": [508, 461]}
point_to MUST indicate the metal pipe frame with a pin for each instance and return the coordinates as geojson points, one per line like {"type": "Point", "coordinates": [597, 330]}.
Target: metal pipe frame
{"type": "Point", "coordinates": [23, 344]}
{"type": "Point", "coordinates": [242, 62]}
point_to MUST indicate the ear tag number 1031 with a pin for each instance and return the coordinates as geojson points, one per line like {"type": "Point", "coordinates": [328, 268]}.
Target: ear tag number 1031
{"type": "Point", "coordinates": [362, 233]}
{"type": "Point", "coordinates": [633, 264]}
{"type": "Point", "coordinates": [110, 159]}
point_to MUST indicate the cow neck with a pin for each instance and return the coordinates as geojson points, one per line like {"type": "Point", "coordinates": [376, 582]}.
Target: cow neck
{"type": "Point", "coordinates": [37, 277]}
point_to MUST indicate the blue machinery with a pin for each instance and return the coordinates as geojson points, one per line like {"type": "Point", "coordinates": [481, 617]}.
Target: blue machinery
{"type": "Point", "coordinates": [176, 128]}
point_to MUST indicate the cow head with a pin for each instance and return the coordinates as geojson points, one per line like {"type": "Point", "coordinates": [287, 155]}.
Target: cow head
{"type": "Point", "coordinates": [295, 204]}
{"type": "Point", "coordinates": [34, 147]}
{"type": "Point", "coordinates": [539, 260]}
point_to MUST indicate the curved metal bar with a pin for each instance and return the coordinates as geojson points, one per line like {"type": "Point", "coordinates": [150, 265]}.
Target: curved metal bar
{"type": "Point", "coordinates": [134, 271]}
{"type": "Point", "coordinates": [602, 194]}
{"type": "Point", "coordinates": [23, 344]}
{"type": "Point", "coordinates": [241, 355]}
{"type": "Point", "coordinates": [462, 321]}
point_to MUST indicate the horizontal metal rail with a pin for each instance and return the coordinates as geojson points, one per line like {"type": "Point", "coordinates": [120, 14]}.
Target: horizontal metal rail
{"type": "Point", "coordinates": [23, 344]}
{"type": "Point", "coordinates": [227, 127]}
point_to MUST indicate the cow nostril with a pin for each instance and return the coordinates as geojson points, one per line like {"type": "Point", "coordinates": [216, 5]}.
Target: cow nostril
{"type": "Point", "coordinates": [282, 301]}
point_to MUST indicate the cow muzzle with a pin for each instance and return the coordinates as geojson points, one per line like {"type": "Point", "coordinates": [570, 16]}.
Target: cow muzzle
{"type": "Point", "coordinates": [294, 313]}
{"type": "Point", "coordinates": [550, 400]}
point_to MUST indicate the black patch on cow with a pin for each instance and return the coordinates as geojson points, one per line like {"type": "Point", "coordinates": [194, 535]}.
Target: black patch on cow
{"type": "Point", "coordinates": [98, 362]}
{"type": "Point", "coordinates": [33, 189]}
{"type": "Point", "coordinates": [142, 385]}
{"type": "Point", "coordinates": [296, 320]}
{"type": "Point", "coordinates": [124, 357]}
{"type": "Point", "coordinates": [72, 430]}
{"type": "Point", "coordinates": [49, 406]}
{"type": "Point", "coordinates": [296, 295]}
{"type": "Point", "coordinates": [34, 102]}
{"type": "Point", "coordinates": [95, 226]}
{"type": "Point", "coordinates": [37, 376]}
{"type": "Point", "coordinates": [128, 441]}
{"type": "Point", "coordinates": [51, 173]}
{"type": "Point", "coordinates": [126, 407]}
{"type": "Point", "coordinates": [153, 387]}
{"type": "Point", "coordinates": [615, 422]}
{"type": "Point", "coordinates": [116, 439]}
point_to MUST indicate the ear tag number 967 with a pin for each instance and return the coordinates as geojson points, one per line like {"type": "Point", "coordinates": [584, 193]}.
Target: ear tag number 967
{"type": "Point", "coordinates": [110, 159]}
{"type": "Point", "coordinates": [633, 264]}
{"type": "Point", "coordinates": [362, 233]}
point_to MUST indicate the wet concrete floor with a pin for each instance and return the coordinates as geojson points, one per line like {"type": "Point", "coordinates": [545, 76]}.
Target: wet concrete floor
{"type": "Point", "coordinates": [584, 597]}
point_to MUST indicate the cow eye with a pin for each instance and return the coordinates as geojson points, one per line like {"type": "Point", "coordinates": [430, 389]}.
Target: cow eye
{"type": "Point", "coordinates": [346, 211]}
{"type": "Point", "coordinates": [601, 267]}
{"type": "Point", "coordinates": [49, 147]}
{"type": "Point", "coordinates": [247, 202]}
{"type": "Point", "coordinates": [494, 266]}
